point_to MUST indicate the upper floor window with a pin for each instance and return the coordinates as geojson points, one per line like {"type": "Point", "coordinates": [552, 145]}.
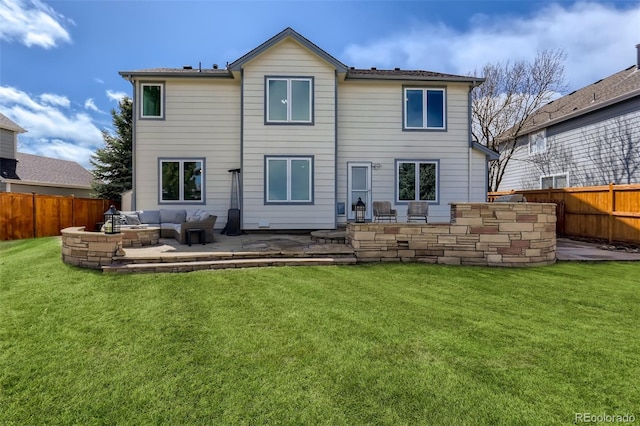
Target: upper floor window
{"type": "Point", "coordinates": [181, 180]}
{"type": "Point", "coordinates": [289, 100]}
{"type": "Point", "coordinates": [152, 100]}
{"type": "Point", "coordinates": [424, 108]}
{"type": "Point", "coordinates": [537, 142]}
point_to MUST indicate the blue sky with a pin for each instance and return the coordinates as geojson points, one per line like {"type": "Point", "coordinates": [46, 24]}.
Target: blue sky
{"type": "Point", "coordinates": [59, 60]}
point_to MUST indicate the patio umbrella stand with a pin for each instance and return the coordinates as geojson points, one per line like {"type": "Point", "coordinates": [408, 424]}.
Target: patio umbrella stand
{"type": "Point", "coordinates": [232, 228]}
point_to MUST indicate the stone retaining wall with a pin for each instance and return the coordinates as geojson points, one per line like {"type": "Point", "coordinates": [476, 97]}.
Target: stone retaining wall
{"type": "Point", "coordinates": [493, 234]}
{"type": "Point", "coordinates": [140, 237]}
{"type": "Point", "coordinates": [90, 249]}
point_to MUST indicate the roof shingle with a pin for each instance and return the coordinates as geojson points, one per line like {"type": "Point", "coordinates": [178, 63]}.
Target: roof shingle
{"type": "Point", "coordinates": [34, 168]}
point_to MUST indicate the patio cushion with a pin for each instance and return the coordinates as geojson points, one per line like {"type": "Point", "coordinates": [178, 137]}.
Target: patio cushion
{"type": "Point", "coordinates": [193, 215]}
{"type": "Point", "coordinates": [172, 216]}
{"type": "Point", "coordinates": [132, 219]}
{"type": "Point", "coordinates": [149, 216]}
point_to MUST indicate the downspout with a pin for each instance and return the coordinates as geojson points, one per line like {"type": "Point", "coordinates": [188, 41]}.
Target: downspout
{"type": "Point", "coordinates": [134, 120]}
{"type": "Point", "coordinates": [241, 189]}
{"type": "Point", "coordinates": [335, 153]}
{"type": "Point", "coordinates": [470, 138]}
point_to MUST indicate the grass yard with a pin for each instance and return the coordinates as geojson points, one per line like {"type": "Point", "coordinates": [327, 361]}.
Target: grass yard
{"type": "Point", "coordinates": [376, 344]}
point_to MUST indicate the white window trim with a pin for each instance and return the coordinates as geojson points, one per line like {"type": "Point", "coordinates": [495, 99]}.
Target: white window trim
{"type": "Point", "coordinates": [269, 158]}
{"type": "Point", "coordinates": [544, 138]}
{"type": "Point", "coordinates": [417, 180]}
{"type": "Point", "coordinates": [565, 175]}
{"type": "Point", "coordinates": [424, 108]}
{"type": "Point", "coordinates": [288, 100]}
{"type": "Point", "coordinates": [150, 84]}
{"type": "Point", "coordinates": [181, 199]}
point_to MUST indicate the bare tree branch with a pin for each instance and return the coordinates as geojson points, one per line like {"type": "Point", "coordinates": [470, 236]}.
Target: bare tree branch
{"type": "Point", "coordinates": [507, 102]}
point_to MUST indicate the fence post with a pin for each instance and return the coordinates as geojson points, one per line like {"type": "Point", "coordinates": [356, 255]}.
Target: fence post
{"type": "Point", "coordinates": [612, 207]}
{"type": "Point", "coordinates": [34, 211]}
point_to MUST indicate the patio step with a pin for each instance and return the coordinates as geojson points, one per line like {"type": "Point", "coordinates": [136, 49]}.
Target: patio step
{"type": "Point", "coordinates": [199, 265]}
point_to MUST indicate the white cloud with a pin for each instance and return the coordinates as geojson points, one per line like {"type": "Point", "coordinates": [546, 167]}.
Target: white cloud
{"type": "Point", "coordinates": [57, 148]}
{"type": "Point", "coordinates": [115, 96]}
{"type": "Point", "coordinates": [32, 23]}
{"type": "Point", "coordinates": [53, 129]}
{"type": "Point", "coordinates": [98, 80]}
{"type": "Point", "coordinates": [91, 105]}
{"type": "Point", "coordinates": [598, 39]}
{"type": "Point", "coordinates": [51, 99]}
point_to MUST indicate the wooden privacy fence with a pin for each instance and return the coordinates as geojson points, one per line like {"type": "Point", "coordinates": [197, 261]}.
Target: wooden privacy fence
{"type": "Point", "coordinates": [34, 215]}
{"type": "Point", "coordinates": [608, 212]}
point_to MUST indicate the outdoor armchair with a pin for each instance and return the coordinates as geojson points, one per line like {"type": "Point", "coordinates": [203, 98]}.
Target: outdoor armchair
{"type": "Point", "coordinates": [382, 211]}
{"type": "Point", "coordinates": [417, 210]}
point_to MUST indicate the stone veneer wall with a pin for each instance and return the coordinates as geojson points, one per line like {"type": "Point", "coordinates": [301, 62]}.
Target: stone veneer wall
{"type": "Point", "coordinates": [493, 234]}
{"type": "Point", "coordinates": [90, 249]}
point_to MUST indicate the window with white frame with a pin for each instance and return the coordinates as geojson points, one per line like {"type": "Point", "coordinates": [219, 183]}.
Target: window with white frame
{"type": "Point", "coordinates": [417, 181]}
{"type": "Point", "coordinates": [288, 179]}
{"type": "Point", "coordinates": [537, 142]}
{"type": "Point", "coordinates": [554, 181]}
{"type": "Point", "coordinates": [152, 105]}
{"type": "Point", "coordinates": [182, 180]}
{"type": "Point", "coordinates": [424, 108]}
{"type": "Point", "coordinates": [289, 100]}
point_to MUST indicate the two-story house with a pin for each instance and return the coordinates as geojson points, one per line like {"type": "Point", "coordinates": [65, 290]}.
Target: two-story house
{"type": "Point", "coordinates": [589, 137]}
{"type": "Point", "coordinates": [310, 135]}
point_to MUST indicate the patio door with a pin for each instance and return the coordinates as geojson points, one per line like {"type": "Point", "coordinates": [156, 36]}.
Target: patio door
{"type": "Point", "coordinates": [359, 186]}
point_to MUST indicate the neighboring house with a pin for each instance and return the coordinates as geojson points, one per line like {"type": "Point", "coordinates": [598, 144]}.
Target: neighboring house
{"type": "Point", "coordinates": [588, 137]}
{"type": "Point", "coordinates": [28, 173]}
{"type": "Point", "coordinates": [310, 135]}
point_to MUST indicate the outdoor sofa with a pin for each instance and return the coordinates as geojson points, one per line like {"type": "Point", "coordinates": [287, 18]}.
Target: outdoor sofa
{"type": "Point", "coordinates": [173, 223]}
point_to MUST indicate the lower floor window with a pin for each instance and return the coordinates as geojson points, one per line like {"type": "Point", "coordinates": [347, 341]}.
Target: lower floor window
{"type": "Point", "coordinates": [417, 180]}
{"type": "Point", "coordinates": [181, 180]}
{"type": "Point", "coordinates": [288, 179]}
{"type": "Point", "coordinates": [554, 181]}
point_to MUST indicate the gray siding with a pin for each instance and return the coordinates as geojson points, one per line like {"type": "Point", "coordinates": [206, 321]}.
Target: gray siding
{"type": "Point", "coordinates": [370, 130]}
{"type": "Point", "coordinates": [597, 152]}
{"type": "Point", "coordinates": [288, 58]}
{"type": "Point", "coordinates": [202, 120]}
{"type": "Point", "coordinates": [8, 144]}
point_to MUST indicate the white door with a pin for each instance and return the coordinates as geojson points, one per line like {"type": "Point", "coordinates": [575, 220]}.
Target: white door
{"type": "Point", "coordinates": [359, 187]}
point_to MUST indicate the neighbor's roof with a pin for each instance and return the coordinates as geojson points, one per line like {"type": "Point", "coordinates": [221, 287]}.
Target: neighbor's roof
{"type": "Point", "coordinates": [351, 73]}
{"type": "Point", "coordinates": [34, 168]}
{"type": "Point", "coordinates": [616, 88]}
{"type": "Point", "coordinates": [6, 123]}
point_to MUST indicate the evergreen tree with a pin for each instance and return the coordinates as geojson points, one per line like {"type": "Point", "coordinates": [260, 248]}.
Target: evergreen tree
{"type": "Point", "coordinates": [112, 165]}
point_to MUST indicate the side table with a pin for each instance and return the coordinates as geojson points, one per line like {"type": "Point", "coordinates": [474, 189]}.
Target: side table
{"type": "Point", "coordinates": [199, 232]}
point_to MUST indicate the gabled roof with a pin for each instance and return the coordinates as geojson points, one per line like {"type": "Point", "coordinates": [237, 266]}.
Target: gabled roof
{"type": "Point", "coordinates": [6, 123]}
{"type": "Point", "coordinates": [35, 169]}
{"type": "Point", "coordinates": [287, 32]}
{"type": "Point", "coordinates": [350, 73]}
{"type": "Point", "coordinates": [616, 88]}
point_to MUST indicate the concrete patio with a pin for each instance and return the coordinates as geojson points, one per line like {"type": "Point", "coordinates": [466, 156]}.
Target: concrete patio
{"type": "Point", "coordinates": [299, 244]}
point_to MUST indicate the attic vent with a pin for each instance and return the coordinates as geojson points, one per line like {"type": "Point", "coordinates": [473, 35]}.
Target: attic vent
{"type": "Point", "coordinates": [373, 68]}
{"type": "Point", "coordinates": [352, 68]}
{"type": "Point", "coordinates": [397, 68]}
{"type": "Point", "coordinates": [187, 67]}
{"type": "Point", "coordinates": [215, 66]}
{"type": "Point", "coordinates": [598, 81]}
{"type": "Point", "coordinates": [572, 93]}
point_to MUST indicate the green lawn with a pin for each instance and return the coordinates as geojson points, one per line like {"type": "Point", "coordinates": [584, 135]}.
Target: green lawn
{"type": "Point", "coordinates": [376, 344]}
